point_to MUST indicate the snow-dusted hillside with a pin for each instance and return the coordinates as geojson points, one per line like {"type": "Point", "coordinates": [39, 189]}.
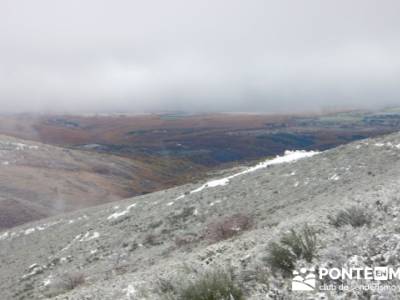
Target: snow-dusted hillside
{"type": "Point", "coordinates": [39, 180]}
{"type": "Point", "coordinates": [125, 249]}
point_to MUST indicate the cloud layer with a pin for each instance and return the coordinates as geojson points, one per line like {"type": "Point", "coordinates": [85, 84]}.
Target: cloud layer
{"type": "Point", "coordinates": [220, 55]}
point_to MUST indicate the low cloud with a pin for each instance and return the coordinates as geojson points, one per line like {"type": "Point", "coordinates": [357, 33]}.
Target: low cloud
{"type": "Point", "coordinates": [272, 56]}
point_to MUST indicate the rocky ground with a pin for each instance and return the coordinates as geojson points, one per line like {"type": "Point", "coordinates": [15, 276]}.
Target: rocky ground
{"type": "Point", "coordinates": [149, 246]}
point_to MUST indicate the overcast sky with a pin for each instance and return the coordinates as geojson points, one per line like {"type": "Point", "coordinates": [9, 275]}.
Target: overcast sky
{"type": "Point", "coordinates": [203, 55]}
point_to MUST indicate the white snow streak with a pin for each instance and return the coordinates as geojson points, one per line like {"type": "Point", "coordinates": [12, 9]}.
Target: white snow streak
{"type": "Point", "coordinates": [334, 177]}
{"type": "Point", "coordinates": [4, 236]}
{"type": "Point", "coordinates": [29, 231]}
{"type": "Point", "coordinates": [70, 244]}
{"type": "Point", "coordinates": [388, 144]}
{"type": "Point", "coordinates": [289, 156]}
{"type": "Point", "coordinates": [19, 146]}
{"type": "Point", "coordinates": [117, 214]}
{"type": "Point", "coordinates": [48, 280]}
{"type": "Point", "coordinates": [88, 237]}
{"type": "Point", "coordinates": [130, 291]}
{"type": "Point", "coordinates": [72, 221]}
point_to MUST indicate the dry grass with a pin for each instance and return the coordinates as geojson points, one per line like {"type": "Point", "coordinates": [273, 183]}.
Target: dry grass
{"type": "Point", "coordinates": [64, 283]}
{"type": "Point", "coordinates": [356, 216]}
{"type": "Point", "coordinates": [228, 227]}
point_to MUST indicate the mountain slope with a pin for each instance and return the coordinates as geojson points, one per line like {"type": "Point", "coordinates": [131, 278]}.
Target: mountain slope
{"type": "Point", "coordinates": [39, 180]}
{"type": "Point", "coordinates": [124, 249]}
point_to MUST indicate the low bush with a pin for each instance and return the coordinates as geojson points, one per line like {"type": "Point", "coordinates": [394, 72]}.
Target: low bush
{"type": "Point", "coordinates": [151, 240]}
{"type": "Point", "coordinates": [72, 280]}
{"type": "Point", "coordinates": [292, 246]}
{"type": "Point", "coordinates": [213, 285]}
{"type": "Point", "coordinates": [303, 244]}
{"type": "Point", "coordinates": [64, 283]}
{"type": "Point", "coordinates": [281, 258]}
{"type": "Point", "coordinates": [356, 216]}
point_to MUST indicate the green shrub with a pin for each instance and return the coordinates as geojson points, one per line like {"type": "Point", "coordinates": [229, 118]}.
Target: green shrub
{"type": "Point", "coordinates": [214, 285]}
{"type": "Point", "coordinates": [281, 258]}
{"type": "Point", "coordinates": [302, 244]}
{"type": "Point", "coordinates": [166, 288]}
{"type": "Point", "coordinates": [292, 246]}
{"type": "Point", "coordinates": [355, 216]}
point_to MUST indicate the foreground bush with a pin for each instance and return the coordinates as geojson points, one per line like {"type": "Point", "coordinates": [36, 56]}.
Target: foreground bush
{"type": "Point", "coordinates": [355, 216]}
{"type": "Point", "coordinates": [294, 245]}
{"type": "Point", "coordinates": [214, 285]}
{"type": "Point", "coordinates": [281, 258]}
{"type": "Point", "coordinates": [303, 244]}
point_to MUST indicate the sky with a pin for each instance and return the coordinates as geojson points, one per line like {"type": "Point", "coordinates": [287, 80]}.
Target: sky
{"type": "Point", "coordinates": [208, 55]}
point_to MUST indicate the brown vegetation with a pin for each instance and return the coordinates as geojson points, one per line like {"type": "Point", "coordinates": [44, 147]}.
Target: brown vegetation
{"type": "Point", "coordinates": [228, 227]}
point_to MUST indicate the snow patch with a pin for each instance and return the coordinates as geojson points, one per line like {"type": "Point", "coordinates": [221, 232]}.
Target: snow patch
{"type": "Point", "coordinates": [4, 236]}
{"type": "Point", "coordinates": [48, 280]}
{"type": "Point", "coordinates": [32, 266]}
{"type": "Point", "coordinates": [29, 231]}
{"type": "Point", "coordinates": [63, 260]}
{"type": "Point", "coordinates": [70, 244]}
{"type": "Point", "coordinates": [334, 177]}
{"type": "Point", "coordinates": [33, 270]}
{"type": "Point", "coordinates": [290, 174]}
{"type": "Point", "coordinates": [88, 236]}
{"type": "Point", "coordinates": [20, 146]}
{"type": "Point", "coordinates": [37, 228]}
{"type": "Point", "coordinates": [289, 156]}
{"type": "Point", "coordinates": [388, 144]}
{"type": "Point", "coordinates": [215, 202]}
{"type": "Point", "coordinates": [72, 221]}
{"type": "Point", "coordinates": [116, 215]}
{"type": "Point", "coordinates": [130, 291]}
